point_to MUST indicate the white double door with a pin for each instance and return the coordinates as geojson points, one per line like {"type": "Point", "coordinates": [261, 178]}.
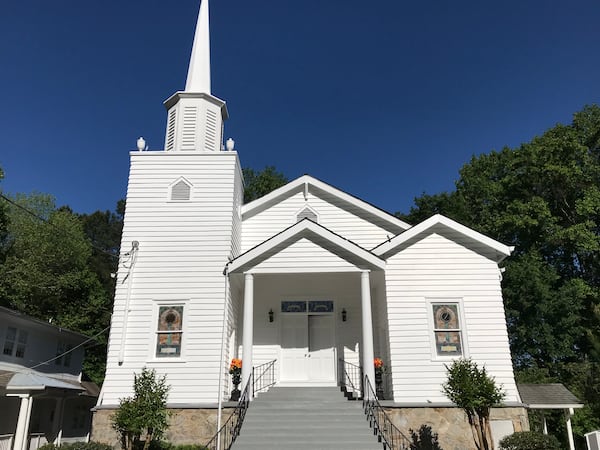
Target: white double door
{"type": "Point", "coordinates": [307, 348]}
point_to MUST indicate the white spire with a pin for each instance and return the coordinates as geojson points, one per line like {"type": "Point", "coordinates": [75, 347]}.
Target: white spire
{"type": "Point", "coordinates": [198, 79]}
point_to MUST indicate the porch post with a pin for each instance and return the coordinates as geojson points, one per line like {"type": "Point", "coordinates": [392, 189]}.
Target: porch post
{"type": "Point", "coordinates": [57, 424]}
{"type": "Point", "coordinates": [22, 431]}
{"type": "Point", "coordinates": [248, 329]}
{"type": "Point", "coordinates": [569, 412]}
{"type": "Point", "coordinates": [367, 330]}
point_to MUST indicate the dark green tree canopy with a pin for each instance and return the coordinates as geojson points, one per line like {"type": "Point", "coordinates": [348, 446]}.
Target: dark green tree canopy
{"type": "Point", "coordinates": [261, 183]}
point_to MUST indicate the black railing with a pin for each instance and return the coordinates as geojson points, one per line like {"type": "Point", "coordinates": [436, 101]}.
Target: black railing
{"type": "Point", "coordinates": [387, 433]}
{"type": "Point", "coordinates": [350, 378]}
{"type": "Point", "coordinates": [231, 429]}
{"type": "Point", "coordinates": [264, 376]}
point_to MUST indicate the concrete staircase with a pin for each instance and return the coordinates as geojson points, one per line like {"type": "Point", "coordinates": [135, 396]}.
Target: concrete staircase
{"type": "Point", "coordinates": [307, 418]}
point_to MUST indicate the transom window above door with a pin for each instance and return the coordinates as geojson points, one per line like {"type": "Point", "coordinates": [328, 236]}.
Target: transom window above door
{"type": "Point", "coordinates": [303, 306]}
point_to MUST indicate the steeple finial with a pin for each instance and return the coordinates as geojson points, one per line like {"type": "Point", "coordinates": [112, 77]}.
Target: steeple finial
{"type": "Point", "coordinates": [198, 78]}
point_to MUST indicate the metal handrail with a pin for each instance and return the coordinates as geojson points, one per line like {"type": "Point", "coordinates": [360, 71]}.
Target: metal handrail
{"type": "Point", "coordinates": [351, 378]}
{"type": "Point", "coordinates": [387, 433]}
{"type": "Point", "coordinates": [265, 378]}
{"type": "Point", "coordinates": [231, 429]}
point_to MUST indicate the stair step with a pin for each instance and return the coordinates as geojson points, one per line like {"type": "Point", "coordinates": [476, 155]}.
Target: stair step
{"type": "Point", "coordinates": [303, 418]}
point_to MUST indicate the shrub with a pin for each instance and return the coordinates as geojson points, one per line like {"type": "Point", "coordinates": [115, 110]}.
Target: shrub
{"type": "Point", "coordinates": [77, 446]}
{"type": "Point", "coordinates": [529, 440]}
{"type": "Point", "coordinates": [145, 414]}
{"type": "Point", "coordinates": [424, 439]}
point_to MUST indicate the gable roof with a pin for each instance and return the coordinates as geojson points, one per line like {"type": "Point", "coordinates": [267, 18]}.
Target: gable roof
{"type": "Point", "coordinates": [307, 184]}
{"type": "Point", "coordinates": [438, 223]}
{"type": "Point", "coordinates": [315, 233]}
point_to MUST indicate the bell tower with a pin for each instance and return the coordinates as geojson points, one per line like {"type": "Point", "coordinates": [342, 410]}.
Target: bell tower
{"type": "Point", "coordinates": [195, 117]}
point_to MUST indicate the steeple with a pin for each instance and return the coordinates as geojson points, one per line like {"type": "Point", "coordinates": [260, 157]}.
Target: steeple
{"type": "Point", "coordinates": [198, 79]}
{"type": "Point", "coordinates": [195, 117]}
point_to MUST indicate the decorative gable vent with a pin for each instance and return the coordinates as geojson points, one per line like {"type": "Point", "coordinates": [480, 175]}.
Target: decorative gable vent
{"type": "Point", "coordinates": [180, 191]}
{"type": "Point", "coordinates": [307, 213]}
{"type": "Point", "coordinates": [170, 144]}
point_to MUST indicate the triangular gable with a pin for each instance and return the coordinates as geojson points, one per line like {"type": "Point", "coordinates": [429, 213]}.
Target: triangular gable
{"type": "Point", "coordinates": [307, 229]}
{"type": "Point", "coordinates": [480, 243]}
{"type": "Point", "coordinates": [306, 184]}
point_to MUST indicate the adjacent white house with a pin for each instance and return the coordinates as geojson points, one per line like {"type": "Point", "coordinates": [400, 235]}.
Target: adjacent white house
{"type": "Point", "coordinates": [42, 396]}
{"type": "Point", "coordinates": [308, 276]}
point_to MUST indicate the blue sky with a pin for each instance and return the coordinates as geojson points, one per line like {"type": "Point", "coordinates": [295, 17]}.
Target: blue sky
{"type": "Point", "coordinates": [384, 99]}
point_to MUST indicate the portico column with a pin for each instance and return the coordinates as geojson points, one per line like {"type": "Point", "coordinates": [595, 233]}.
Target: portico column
{"type": "Point", "coordinates": [248, 329]}
{"type": "Point", "coordinates": [367, 330]}
{"type": "Point", "coordinates": [22, 431]}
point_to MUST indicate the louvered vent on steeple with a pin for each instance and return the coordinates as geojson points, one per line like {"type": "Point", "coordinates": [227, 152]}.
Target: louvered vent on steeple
{"type": "Point", "coordinates": [210, 136]}
{"type": "Point", "coordinates": [181, 191]}
{"type": "Point", "coordinates": [188, 128]}
{"type": "Point", "coordinates": [307, 213]}
{"type": "Point", "coordinates": [170, 140]}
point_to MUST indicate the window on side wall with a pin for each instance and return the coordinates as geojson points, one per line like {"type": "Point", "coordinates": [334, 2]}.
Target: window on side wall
{"type": "Point", "coordinates": [447, 329]}
{"type": "Point", "coordinates": [15, 342]}
{"type": "Point", "coordinates": [169, 331]}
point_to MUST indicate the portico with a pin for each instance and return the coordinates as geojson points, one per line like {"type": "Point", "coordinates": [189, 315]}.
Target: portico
{"type": "Point", "coordinates": [306, 295]}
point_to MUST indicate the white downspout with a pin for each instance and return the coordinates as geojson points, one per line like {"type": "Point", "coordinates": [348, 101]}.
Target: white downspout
{"type": "Point", "coordinates": [135, 245]}
{"type": "Point", "coordinates": [222, 362]}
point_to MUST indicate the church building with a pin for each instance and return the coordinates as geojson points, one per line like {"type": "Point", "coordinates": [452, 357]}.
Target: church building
{"type": "Point", "coordinates": [309, 279]}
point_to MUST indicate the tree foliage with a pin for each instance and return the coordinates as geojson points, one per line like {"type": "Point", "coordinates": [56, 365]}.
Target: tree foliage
{"type": "Point", "coordinates": [258, 184]}
{"type": "Point", "coordinates": [145, 414]}
{"type": "Point", "coordinates": [47, 271]}
{"type": "Point", "coordinates": [475, 392]}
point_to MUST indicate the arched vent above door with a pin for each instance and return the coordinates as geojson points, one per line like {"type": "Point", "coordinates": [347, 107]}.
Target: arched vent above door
{"type": "Point", "coordinates": [307, 213]}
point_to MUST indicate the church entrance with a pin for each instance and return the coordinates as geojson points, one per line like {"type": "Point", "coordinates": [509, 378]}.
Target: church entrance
{"type": "Point", "coordinates": [307, 343]}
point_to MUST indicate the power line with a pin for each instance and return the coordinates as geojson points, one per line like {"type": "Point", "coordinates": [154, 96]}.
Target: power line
{"type": "Point", "coordinates": [42, 219]}
{"type": "Point", "coordinates": [10, 374]}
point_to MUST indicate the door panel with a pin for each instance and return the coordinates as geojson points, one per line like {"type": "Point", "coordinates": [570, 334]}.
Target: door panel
{"type": "Point", "coordinates": [294, 347]}
{"type": "Point", "coordinates": [321, 357]}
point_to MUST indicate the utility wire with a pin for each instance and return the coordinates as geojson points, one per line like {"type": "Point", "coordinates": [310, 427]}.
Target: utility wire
{"type": "Point", "coordinates": [33, 214]}
{"type": "Point", "coordinates": [10, 374]}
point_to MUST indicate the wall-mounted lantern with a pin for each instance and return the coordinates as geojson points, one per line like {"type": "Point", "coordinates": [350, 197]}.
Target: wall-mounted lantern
{"type": "Point", "coordinates": [344, 315]}
{"type": "Point", "coordinates": [271, 315]}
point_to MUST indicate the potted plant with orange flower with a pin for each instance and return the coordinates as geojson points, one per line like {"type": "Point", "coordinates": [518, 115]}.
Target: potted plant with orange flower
{"type": "Point", "coordinates": [235, 370]}
{"type": "Point", "coordinates": [379, 371]}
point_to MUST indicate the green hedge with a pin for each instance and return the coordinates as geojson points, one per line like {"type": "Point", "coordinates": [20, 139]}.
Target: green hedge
{"type": "Point", "coordinates": [529, 440]}
{"type": "Point", "coordinates": [77, 446]}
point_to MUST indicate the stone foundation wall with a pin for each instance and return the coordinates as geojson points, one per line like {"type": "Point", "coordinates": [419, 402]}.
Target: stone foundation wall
{"type": "Point", "coordinates": [451, 424]}
{"type": "Point", "coordinates": [186, 426]}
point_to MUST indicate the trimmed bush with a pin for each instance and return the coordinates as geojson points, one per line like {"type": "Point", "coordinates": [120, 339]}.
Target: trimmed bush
{"type": "Point", "coordinates": [529, 440]}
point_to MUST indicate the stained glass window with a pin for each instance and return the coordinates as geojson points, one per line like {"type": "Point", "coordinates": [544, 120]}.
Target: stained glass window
{"type": "Point", "coordinates": [169, 331]}
{"type": "Point", "coordinates": [447, 329]}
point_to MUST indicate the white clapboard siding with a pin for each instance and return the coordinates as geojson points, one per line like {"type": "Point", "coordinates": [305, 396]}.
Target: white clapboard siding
{"type": "Point", "coordinates": [183, 249]}
{"type": "Point", "coordinates": [341, 220]}
{"type": "Point", "coordinates": [304, 256]}
{"type": "Point", "coordinates": [439, 269]}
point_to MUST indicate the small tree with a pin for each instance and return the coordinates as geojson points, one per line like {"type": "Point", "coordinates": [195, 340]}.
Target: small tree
{"type": "Point", "coordinates": [473, 390]}
{"type": "Point", "coordinates": [145, 413]}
